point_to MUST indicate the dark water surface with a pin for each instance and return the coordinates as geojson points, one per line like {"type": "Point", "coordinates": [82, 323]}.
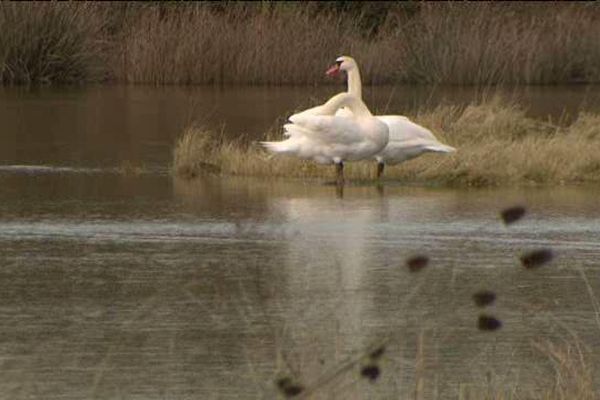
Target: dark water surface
{"type": "Point", "coordinates": [125, 286]}
{"type": "Point", "coordinates": [106, 125]}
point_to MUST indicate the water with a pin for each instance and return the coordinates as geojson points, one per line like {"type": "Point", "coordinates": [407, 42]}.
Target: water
{"type": "Point", "coordinates": [106, 125]}
{"type": "Point", "coordinates": [141, 286]}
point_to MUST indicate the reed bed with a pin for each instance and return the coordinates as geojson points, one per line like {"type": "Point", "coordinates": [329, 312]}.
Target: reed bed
{"type": "Point", "coordinates": [497, 143]}
{"type": "Point", "coordinates": [475, 43]}
{"type": "Point", "coordinates": [52, 42]}
{"type": "Point", "coordinates": [241, 46]}
{"type": "Point", "coordinates": [280, 43]}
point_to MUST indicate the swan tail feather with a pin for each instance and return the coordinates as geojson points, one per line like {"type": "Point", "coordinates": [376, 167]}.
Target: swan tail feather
{"type": "Point", "coordinates": [284, 147]}
{"type": "Point", "coordinates": [441, 148]}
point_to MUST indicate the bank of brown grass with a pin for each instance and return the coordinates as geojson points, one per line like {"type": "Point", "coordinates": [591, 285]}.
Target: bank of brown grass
{"type": "Point", "coordinates": [466, 43]}
{"type": "Point", "coordinates": [292, 43]}
{"type": "Point", "coordinates": [52, 42]}
{"type": "Point", "coordinates": [498, 144]}
{"type": "Point", "coordinates": [248, 45]}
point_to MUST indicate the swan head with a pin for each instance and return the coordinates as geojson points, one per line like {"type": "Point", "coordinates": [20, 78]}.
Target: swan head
{"type": "Point", "coordinates": [343, 63]}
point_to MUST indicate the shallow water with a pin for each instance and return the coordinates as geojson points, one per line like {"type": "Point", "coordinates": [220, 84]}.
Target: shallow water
{"type": "Point", "coordinates": [140, 286]}
{"type": "Point", "coordinates": [107, 125]}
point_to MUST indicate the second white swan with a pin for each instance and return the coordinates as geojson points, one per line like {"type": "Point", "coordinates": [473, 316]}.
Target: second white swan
{"type": "Point", "coordinates": [407, 140]}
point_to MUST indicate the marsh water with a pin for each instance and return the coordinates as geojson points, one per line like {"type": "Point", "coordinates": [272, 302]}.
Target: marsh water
{"type": "Point", "coordinates": [120, 285]}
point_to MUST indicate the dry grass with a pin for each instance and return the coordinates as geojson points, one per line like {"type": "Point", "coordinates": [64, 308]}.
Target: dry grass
{"type": "Point", "coordinates": [565, 372]}
{"type": "Point", "coordinates": [526, 43]}
{"type": "Point", "coordinates": [52, 42]}
{"type": "Point", "coordinates": [282, 43]}
{"type": "Point", "coordinates": [243, 45]}
{"type": "Point", "coordinates": [498, 144]}
{"type": "Point", "coordinates": [466, 43]}
{"type": "Point", "coordinates": [200, 151]}
{"type": "Point", "coordinates": [573, 373]}
{"type": "Point", "coordinates": [572, 377]}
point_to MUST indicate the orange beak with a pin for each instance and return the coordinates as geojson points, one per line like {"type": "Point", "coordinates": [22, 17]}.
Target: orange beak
{"type": "Point", "coordinates": [334, 70]}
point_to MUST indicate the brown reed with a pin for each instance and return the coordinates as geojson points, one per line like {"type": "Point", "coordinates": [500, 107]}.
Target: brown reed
{"type": "Point", "coordinates": [280, 43]}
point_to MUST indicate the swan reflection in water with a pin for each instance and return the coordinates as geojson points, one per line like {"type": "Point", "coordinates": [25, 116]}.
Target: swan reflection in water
{"type": "Point", "coordinates": [329, 273]}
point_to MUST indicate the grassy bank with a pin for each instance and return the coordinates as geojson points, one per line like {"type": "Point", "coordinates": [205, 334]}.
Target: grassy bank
{"type": "Point", "coordinates": [279, 43]}
{"type": "Point", "coordinates": [497, 145]}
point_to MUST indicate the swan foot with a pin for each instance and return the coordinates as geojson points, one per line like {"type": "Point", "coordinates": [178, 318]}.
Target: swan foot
{"type": "Point", "coordinates": [380, 167]}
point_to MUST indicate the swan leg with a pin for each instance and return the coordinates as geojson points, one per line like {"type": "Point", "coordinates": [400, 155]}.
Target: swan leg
{"type": "Point", "coordinates": [380, 167]}
{"type": "Point", "coordinates": [339, 191]}
{"type": "Point", "coordinates": [339, 167]}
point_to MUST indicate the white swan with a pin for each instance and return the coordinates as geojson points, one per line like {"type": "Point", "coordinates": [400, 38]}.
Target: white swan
{"type": "Point", "coordinates": [407, 140]}
{"type": "Point", "coordinates": [318, 134]}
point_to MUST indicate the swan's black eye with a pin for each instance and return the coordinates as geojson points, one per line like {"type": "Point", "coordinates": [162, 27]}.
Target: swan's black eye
{"type": "Point", "coordinates": [338, 63]}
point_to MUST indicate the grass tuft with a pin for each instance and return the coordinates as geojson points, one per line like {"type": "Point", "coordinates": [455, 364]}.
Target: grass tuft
{"type": "Point", "coordinates": [52, 42]}
{"type": "Point", "coordinates": [573, 370]}
{"type": "Point", "coordinates": [497, 144]}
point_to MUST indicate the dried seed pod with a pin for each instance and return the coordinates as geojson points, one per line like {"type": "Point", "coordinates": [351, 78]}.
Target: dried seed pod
{"type": "Point", "coordinates": [488, 323]}
{"type": "Point", "coordinates": [417, 263]}
{"type": "Point", "coordinates": [537, 258]}
{"type": "Point", "coordinates": [377, 353]}
{"type": "Point", "coordinates": [512, 214]}
{"type": "Point", "coordinates": [484, 298]}
{"type": "Point", "coordinates": [283, 382]}
{"type": "Point", "coordinates": [371, 372]}
{"type": "Point", "coordinates": [288, 388]}
{"type": "Point", "coordinates": [292, 390]}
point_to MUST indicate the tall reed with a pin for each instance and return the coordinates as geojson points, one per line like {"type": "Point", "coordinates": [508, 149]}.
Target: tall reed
{"type": "Point", "coordinates": [474, 43]}
{"type": "Point", "coordinates": [242, 45]}
{"type": "Point", "coordinates": [281, 43]}
{"type": "Point", "coordinates": [51, 42]}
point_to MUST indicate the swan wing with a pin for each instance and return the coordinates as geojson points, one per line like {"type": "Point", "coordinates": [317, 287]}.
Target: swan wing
{"type": "Point", "coordinates": [344, 112]}
{"type": "Point", "coordinates": [398, 151]}
{"type": "Point", "coordinates": [401, 128]}
{"type": "Point", "coordinates": [318, 110]}
{"type": "Point", "coordinates": [333, 106]}
{"type": "Point", "coordinates": [327, 129]}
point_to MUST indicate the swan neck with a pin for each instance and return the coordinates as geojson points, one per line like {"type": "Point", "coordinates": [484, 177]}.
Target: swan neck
{"type": "Point", "coordinates": [354, 83]}
{"type": "Point", "coordinates": [355, 105]}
